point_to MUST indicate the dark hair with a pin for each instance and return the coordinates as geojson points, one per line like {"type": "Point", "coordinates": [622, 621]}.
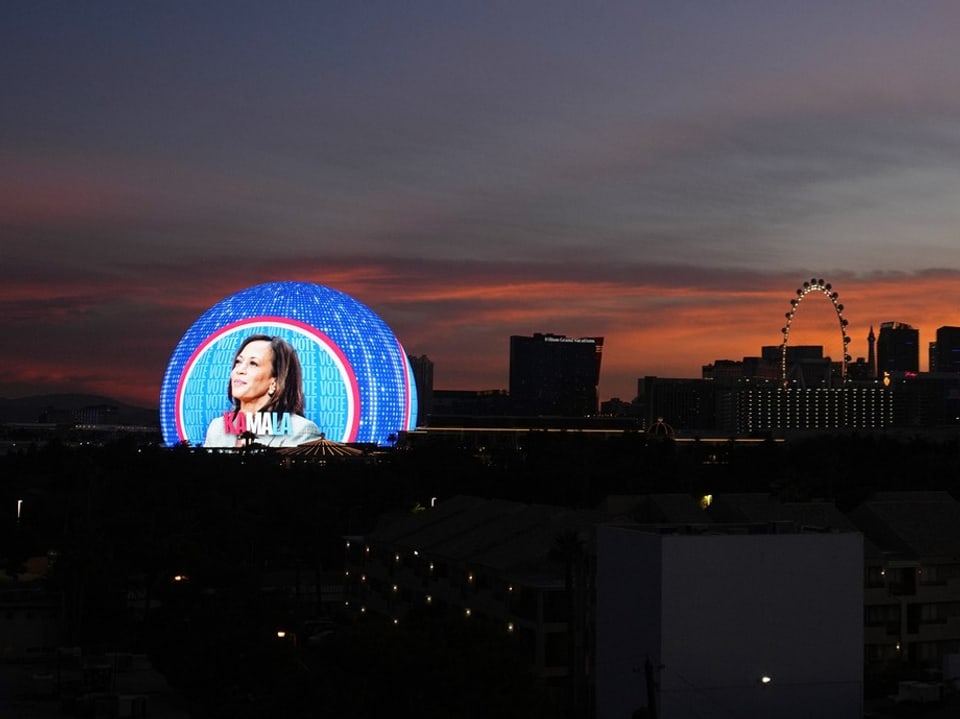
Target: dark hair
{"type": "Point", "coordinates": [287, 372]}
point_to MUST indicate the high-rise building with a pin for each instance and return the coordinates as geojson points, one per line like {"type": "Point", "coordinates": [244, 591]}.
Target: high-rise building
{"type": "Point", "coordinates": [806, 366]}
{"type": "Point", "coordinates": [945, 352]}
{"type": "Point", "coordinates": [555, 375]}
{"type": "Point", "coordinates": [898, 348]}
{"type": "Point", "coordinates": [685, 404]}
{"type": "Point", "coordinates": [422, 368]}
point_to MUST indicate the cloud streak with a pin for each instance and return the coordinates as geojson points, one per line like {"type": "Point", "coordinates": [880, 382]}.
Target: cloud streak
{"type": "Point", "coordinates": [663, 320]}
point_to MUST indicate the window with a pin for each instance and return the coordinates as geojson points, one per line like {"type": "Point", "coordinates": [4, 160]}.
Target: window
{"type": "Point", "coordinates": [881, 615]}
{"type": "Point", "coordinates": [875, 576]}
{"type": "Point", "coordinates": [903, 581]}
{"type": "Point", "coordinates": [556, 606]}
{"type": "Point", "coordinates": [556, 649]}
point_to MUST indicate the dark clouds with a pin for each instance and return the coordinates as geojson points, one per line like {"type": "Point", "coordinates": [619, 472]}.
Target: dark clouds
{"type": "Point", "coordinates": [663, 175]}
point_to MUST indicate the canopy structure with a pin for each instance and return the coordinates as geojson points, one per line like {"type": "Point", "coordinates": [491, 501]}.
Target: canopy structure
{"type": "Point", "coordinates": [322, 448]}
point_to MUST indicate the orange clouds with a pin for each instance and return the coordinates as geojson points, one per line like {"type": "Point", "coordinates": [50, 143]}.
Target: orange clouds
{"type": "Point", "coordinates": [113, 335]}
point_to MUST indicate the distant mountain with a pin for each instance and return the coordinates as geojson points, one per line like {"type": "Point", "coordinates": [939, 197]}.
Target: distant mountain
{"type": "Point", "coordinates": [69, 408]}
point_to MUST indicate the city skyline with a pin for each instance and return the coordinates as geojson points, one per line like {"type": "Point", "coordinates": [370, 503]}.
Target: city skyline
{"type": "Point", "coordinates": [664, 177]}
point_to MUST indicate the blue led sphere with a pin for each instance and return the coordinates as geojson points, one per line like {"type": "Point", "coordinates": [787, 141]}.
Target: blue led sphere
{"type": "Point", "coordinates": [357, 381]}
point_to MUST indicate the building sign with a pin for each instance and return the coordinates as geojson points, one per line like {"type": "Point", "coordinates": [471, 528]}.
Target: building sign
{"type": "Point", "coordinates": [284, 363]}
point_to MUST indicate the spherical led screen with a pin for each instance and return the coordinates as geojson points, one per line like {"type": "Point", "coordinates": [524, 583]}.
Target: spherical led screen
{"type": "Point", "coordinates": [352, 373]}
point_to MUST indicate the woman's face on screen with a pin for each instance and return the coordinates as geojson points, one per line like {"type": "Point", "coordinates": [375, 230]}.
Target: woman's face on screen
{"type": "Point", "coordinates": [252, 374]}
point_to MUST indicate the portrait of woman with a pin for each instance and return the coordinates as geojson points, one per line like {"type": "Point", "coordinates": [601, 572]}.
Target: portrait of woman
{"type": "Point", "coordinates": [266, 391]}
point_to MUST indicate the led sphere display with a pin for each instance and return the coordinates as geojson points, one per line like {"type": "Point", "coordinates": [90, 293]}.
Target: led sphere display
{"type": "Point", "coordinates": [283, 363]}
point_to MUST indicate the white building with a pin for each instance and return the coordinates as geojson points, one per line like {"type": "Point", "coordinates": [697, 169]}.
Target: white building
{"type": "Point", "coordinates": [747, 625]}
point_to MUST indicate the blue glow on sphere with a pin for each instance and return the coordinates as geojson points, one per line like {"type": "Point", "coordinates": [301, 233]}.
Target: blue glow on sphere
{"type": "Point", "coordinates": [357, 380]}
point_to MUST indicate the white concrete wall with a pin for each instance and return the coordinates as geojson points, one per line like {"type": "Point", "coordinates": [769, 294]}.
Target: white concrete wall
{"type": "Point", "coordinates": [733, 608]}
{"type": "Point", "coordinates": [628, 612]}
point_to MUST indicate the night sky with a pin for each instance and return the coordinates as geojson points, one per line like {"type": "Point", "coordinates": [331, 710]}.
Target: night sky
{"type": "Point", "coordinates": [664, 174]}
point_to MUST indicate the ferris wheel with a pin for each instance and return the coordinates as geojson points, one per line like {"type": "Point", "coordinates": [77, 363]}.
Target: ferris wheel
{"type": "Point", "coordinates": [815, 285]}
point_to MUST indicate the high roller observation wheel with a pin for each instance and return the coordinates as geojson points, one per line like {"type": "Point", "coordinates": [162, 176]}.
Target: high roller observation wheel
{"type": "Point", "coordinates": [814, 285]}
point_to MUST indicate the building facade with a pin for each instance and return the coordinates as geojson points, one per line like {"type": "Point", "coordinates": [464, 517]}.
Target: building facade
{"type": "Point", "coordinates": [422, 368]}
{"type": "Point", "coordinates": [912, 573]}
{"type": "Point", "coordinates": [687, 405]}
{"type": "Point", "coordinates": [720, 624]}
{"type": "Point", "coordinates": [898, 348]}
{"type": "Point", "coordinates": [555, 375]}
{"type": "Point", "coordinates": [752, 408]}
{"type": "Point", "coordinates": [945, 352]}
{"type": "Point", "coordinates": [523, 570]}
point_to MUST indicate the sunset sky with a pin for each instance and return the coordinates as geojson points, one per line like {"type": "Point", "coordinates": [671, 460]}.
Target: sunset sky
{"type": "Point", "coordinates": [664, 174]}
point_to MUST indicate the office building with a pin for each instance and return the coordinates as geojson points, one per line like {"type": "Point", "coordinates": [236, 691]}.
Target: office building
{"type": "Point", "coordinates": [422, 368]}
{"type": "Point", "coordinates": [924, 399]}
{"type": "Point", "coordinates": [945, 352]}
{"type": "Point", "coordinates": [459, 405]}
{"type": "Point", "coordinates": [805, 365]}
{"type": "Point", "coordinates": [555, 375]}
{"type": "Point", "coordinates": [898, 348]}
{"type": "Point", "coordinates": [687, 405]}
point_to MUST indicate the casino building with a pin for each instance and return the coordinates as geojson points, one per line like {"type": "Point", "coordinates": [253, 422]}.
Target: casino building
{"type": "Point", "coordinates": [752, 408]}
{"type": "Point", "coordinates": [745, 406]}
